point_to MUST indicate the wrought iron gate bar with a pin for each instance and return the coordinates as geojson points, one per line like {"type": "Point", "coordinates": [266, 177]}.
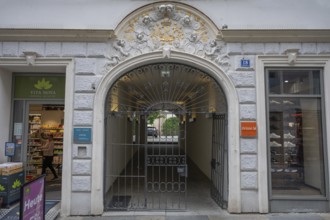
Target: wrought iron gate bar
{"type": "Point", "coordinates": [218, 162]}
{"type": "Point", "coordinates": [130, 145]}
{"type": "Point", "coordinates": [176, 187]}
{"type": "Point", "coordinates": [168, 160]}
{"type": "Point", "coordinates": [126, 176]}
{"type": "Point", "coordinates": [146, 175]}
{"type": "Point", "coordinates": [161, 145]}
{"type": "Point", "coordinates": [121, 113]}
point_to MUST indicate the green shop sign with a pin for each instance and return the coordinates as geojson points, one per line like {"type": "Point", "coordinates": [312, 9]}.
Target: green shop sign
{"type": "Point", "coordinates": [40, 87]}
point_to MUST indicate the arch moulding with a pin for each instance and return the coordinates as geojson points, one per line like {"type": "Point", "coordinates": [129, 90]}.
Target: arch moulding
{"type": "Point", "coordinates": [97, 193]}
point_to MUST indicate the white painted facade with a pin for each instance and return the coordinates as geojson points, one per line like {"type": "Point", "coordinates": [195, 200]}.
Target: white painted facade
{"type": "Point", "coordinates": [80, 44]}
{"type": "Point", "coordinates": [84, 14]}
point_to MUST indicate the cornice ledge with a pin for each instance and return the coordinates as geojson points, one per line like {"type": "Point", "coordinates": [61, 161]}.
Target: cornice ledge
{"type": "Point", "coordinates": [275, 35]}
{"type": "Point", "coordinates": [50, 35]}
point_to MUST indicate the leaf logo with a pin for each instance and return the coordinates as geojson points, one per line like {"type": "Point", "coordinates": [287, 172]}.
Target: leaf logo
{"type": "Point", "coordinates": [43, 84]}
{"type": "Point", "coordinates": [16, 184]}
{"type": "Point", "coordinates": [2, 188]}
{"type": "Point", "coordinates": [27, 190]}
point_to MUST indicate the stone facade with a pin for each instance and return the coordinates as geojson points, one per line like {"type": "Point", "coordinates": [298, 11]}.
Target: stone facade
{"type": "Point", "coordinates": [93, 61]}
{"type": "Point", "coordinates": [89, 71]}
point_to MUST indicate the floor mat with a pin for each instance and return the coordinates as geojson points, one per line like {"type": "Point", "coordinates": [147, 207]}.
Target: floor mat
{"type": "Point", "coordinates": [285, 188]}
{"type": "Point", "coordinates": [119, 203]}
{"type": "Point", "coordinates": [13, 214]}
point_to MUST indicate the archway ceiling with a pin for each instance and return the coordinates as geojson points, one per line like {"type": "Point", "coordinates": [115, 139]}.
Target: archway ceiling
{"type": "Point", "coordinates": [170, 86]}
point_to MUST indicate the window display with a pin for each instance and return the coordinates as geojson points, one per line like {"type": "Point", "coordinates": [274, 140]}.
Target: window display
{"type": "Point", "coordinates": [295, 132]}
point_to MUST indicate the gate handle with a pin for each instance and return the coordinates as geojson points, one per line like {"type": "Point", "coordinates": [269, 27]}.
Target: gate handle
{"type": "Point", "coordinates": [214, 163]}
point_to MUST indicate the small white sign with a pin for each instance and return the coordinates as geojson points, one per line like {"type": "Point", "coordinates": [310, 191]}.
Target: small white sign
{"type": "Point", "coordinates": [18, 129]}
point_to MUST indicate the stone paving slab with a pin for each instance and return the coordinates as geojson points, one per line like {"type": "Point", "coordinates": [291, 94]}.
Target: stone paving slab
{"type": "Point", "coordinates": [289, 216]}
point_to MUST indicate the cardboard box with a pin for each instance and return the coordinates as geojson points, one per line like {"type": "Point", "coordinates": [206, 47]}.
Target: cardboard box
{"type": "Point", "coordinates": [10, 168]}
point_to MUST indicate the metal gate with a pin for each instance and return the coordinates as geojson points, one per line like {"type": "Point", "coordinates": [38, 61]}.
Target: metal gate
{"type": "Point", "coordinates": [147, 169]}
{"type": "Point", "coordinates": [219, 163]}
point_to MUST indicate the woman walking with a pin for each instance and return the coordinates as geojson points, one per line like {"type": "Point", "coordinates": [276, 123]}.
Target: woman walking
{"type": "Point", "coordinates": [48, 154]}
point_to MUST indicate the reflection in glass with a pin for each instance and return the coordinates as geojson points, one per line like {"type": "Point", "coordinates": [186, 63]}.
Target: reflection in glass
{"type": "Point", "coordinates": [295, 135]}
{"type": "Point", "coordinates": [17, 136]}
{"type": "Point", "coordinates": [296, 147]}
{"type": "Point", "coordinates": [274, 82]}
{"type": "Point", "coordinates": [294, 82]}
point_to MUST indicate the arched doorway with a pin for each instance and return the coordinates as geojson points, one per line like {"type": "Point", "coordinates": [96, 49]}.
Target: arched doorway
{"type": "Point", "coordinates": [99, 123]}
{"type": "Point", "coordinates": [165, 139]}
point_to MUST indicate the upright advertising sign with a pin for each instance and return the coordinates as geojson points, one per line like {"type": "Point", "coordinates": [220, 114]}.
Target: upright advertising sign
{"type": "Point", "coordinates": [32, 205]}
{"type": "Point", "coordinates": [9, 149]}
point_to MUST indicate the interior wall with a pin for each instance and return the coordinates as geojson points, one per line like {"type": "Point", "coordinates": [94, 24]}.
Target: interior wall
{"type": "Point", "coordinates": [5, 103]}
{"type": "Point", "coordinates": [199, 143]}
{"type": "Point", "coordinates": [118, 155]}
{"type": "Point", "coordinates": [53, 118]}
{"type": "Point", "coordinates": [50, 118]}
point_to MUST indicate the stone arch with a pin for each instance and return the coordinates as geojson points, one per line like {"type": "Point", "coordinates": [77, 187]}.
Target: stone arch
{"type": "Point", "coordinates": [192, 60]}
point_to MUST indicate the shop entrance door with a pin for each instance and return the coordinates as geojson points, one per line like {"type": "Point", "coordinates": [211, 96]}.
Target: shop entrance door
{"type": "Point", "coordinates": [44, 120]}
{"type": "Point", "coordinates": [219, 167]}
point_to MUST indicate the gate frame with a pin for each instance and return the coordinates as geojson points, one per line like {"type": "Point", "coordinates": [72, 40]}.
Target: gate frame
{"type": "Point", "coordinates": [97, 177]}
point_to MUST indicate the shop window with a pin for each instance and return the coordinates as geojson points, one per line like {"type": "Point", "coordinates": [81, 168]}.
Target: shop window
{"type": "Point", "coordinates": [295, 132]}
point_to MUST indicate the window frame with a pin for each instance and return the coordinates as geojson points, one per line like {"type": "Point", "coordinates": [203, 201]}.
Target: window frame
{"type": "Point", "coordinates": [319, 96]}
{"type": "Point", "coordinates": [282, 61]}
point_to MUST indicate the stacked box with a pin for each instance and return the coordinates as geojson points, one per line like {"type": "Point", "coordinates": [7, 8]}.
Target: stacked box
{"type": "Point", "coordinates": [10, 168]}
{"type": "Point", "coordinates": [11, 180]}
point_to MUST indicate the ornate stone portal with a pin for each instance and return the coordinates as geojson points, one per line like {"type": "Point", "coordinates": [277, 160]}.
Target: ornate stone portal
{"type": "Point", "coordinates": [166, 27]}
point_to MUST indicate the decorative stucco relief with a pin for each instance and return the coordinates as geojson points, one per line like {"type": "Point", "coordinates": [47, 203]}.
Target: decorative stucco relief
{"type": "Point", "coordinates": [167, 27]}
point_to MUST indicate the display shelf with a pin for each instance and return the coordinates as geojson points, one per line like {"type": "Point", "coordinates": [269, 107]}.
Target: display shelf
{"type": "Point", "coordinates": [34, 143]}
{"type": "Point", "coordinates": [284, 140]}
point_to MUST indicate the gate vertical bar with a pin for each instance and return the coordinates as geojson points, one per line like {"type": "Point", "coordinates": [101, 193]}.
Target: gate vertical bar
{"type": "Point", "coordinates": [219, 161]}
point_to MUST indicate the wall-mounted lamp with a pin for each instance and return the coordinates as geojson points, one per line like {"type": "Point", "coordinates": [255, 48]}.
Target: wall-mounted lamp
{"type": "Point", "coordinates": [192, 119]}
{"type": "Point", "coordinates": [165, 73]}
{"type": "Point", "coordinates": [208, 115]}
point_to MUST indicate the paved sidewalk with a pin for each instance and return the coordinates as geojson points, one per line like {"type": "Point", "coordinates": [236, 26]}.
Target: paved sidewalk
{"type": "Point", "coordinates": [175, 216]}
{"type": "Point", "coordinates": [52, 213]}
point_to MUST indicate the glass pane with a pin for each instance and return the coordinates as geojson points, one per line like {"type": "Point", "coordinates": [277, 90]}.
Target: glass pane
{"type": "Point", "coordinates": [274, 79]}
{"type": "Point", "coordinates": [296, 147]}
{"type": "Point", "coordinates": [301, 82]}
{"type": "Point", "coordinates": [17, 137]}
{"type": "Point", "coordinates": [316, 81]}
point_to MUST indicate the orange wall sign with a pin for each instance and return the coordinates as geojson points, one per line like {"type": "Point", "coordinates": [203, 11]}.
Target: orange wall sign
{"type": "Point", "coordinates": [248, 129]}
